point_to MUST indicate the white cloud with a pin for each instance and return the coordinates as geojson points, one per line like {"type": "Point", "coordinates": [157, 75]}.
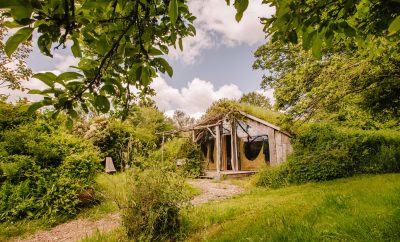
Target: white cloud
{"type": "Point", "coordinates": [65, 61]}
{"type": "Point", "coordinates": [216, 25]}
{"type": "Point", "coordinates": [193, 99]}
{"type": "Point", "coordinates": [192, 47]}
{"type": "Point", "coordinates": [32, 84]}
{"type": "Point", "coordinates": [268, 93]}
{"type": "Point", "coordinates": [15, 95]}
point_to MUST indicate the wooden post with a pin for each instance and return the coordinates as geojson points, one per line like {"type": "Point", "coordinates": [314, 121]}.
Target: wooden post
{"type": "Point", "coordinates": [218, 146]}
{"type": "Point", "coordinates": [272, 147]}
{"type": "Point", "coordinates": [162, 149]}
{"type": "Point", "coordinates": [234, 158]}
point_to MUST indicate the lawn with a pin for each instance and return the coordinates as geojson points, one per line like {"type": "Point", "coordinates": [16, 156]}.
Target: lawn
{"type": "Point", "coordinates": [363, 208]}
{"type": "Point", "coordinates": [109, 190]}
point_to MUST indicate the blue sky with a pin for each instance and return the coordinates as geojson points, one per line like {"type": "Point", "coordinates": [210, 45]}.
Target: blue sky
{"type": "Point", "coordinates": [221, 65]}
{"type": "Point", "coordinates": [216, 63]}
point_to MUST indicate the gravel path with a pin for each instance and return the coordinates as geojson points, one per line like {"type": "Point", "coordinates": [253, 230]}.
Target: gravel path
{"type": "Point", "coordinates": [80, 228]}
{"type": "Point", "coordinates": [211, 191]}
{"type": "Point", "coordinates": [74, 230]}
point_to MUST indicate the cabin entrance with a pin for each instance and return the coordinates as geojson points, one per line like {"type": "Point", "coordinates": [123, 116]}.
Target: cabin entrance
{"type": "Point", "coordinates": [228, 154]}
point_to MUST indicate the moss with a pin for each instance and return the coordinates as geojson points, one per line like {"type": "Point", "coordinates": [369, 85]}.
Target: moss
{"type": "Point", "coordinates": [227, 107]}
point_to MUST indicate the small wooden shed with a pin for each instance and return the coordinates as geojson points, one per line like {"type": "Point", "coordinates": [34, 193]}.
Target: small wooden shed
{"type": "Point", "coordinates": [241, 142]}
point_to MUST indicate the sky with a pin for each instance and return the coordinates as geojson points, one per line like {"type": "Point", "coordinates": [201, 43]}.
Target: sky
{"type": "Point", "coordinates": [215, 64]}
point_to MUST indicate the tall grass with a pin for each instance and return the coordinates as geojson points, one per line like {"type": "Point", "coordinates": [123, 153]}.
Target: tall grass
{"type": "Point", "coordinates": [262, 113]}
{"type": "Point", "coordinates": [362, 208]}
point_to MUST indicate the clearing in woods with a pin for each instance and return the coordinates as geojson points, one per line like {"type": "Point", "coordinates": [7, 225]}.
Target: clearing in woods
{"type": "Point", "coordinates": [80, 228]}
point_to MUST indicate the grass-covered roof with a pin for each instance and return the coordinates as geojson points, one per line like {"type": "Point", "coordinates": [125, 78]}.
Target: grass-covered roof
{"type": "Point", "coordinates": [221, 108]}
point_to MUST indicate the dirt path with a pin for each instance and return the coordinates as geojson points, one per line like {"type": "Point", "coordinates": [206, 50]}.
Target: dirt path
{"type": "Point", "coordinates": [213, 190]}
{"type": "Point", "coordinates": [80, 228]}
{"type": "Point", "coordinates": [74, 230]}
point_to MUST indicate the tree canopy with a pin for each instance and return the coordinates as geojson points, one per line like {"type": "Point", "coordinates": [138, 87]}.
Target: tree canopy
{"type": "Point", "coordinates": [13, 68]}
{"type": "Point", "coordinates": [120, 45]}
{"type": "Point", "coordinates": [345, 85]}
{"type": "Point", "coordinates": [256, 99]}
{"type": "Point", "coordinates": [315, 24]}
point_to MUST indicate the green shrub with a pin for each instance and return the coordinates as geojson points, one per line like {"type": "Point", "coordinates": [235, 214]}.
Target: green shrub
{"type": "Point", "coordinates": [181, 149]}
{"type": "Point", "coordinates": [192, 155]}
{"type": "Point", "coordinates": [43, 172]}
{"type": "Point", "coordinates": [323, 152]}
{"type": "Point", "coordinates": [13, 115]}
{"type": "Point", "coordinates": [273, 177]}
{"type": "Point", "coordinates": [129, 142]}
{"type": "Point", "coordinates": [171, 150]}
{"type": "Point", "coordinates": [151, 211]}
{"type": "Point", "coordinates": [320, 166]}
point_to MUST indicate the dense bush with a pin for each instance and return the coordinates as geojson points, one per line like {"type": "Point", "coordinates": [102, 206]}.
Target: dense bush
{"type": "Point", "coordinates": [323, 152]}
{"type": "Point", "coordinates": [273, 177]}
{"type": "Point", "coordinates": [43, 171]}
{"type": "Point", "coordinates": [151, 211]}
{"type": "Point", "coordinates": [193, 157]}
{"type": "Point", "coordinates": [113, 137]}
{"type": "Point", "coordinates": [13, 115]}
{"type": "Point", "coordinates": [130, 141]}
{"type": "Point", "coordinates": [184, 151]}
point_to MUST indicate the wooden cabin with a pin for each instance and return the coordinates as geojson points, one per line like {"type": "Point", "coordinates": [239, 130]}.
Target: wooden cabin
{"type": "Point", "coordinates": [241, 143]}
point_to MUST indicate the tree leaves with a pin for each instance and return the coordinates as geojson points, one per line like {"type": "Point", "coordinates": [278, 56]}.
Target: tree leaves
{"type": "Point", "coordinates": [34, 106]}
{"type": "Point", "coordinates": [21, 10]}
{"type": "Point", "coordinates": [317, 44]}
{"type": "Point", "coordinates": [144, 76]}
{"type": "Point", "coordinates": [305, 87]}
{"type": "Point", "coordinates": [344, 21]}
{"type": "Point", "coordinates": [394, 26]}
{"type": "Point", "coordinates": [44, 43]}
{"type": "Point", "coordinates": [165, 66]}
{"type": "Point", "coordinates": [14, 41]}
{"type": "Point", "coordinates": [180, 44]}
{"type": "Point", "coordinates": [47, 78]}
{"type": "Point", "coordinates": [102, 103]}
{"type": "Point", "coordinates": [109, 89]}
{"type": "Point", "coordinates": [173, 11]}
{"type": "Point", "coordinates": [76, 49]}
{"type": "Point", "coordinates": [69, 75]}
{"type": "Point", "coordinates": [240, 6]}
{"type": "Point", "coordinates": [119, 45]}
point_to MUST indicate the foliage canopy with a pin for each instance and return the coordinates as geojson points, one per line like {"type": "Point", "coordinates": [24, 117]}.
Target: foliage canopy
{"type": "Point", "coordinates": [345, 86]}
{"type": "Point", "coordinates": [315, 24]}
{"type": "Point", "coordinates": [119, 43]}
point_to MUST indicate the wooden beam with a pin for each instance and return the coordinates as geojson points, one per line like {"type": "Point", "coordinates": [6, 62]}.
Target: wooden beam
{"type": "Point", "coordinates": [272, 147]}
{"type": "Point", "coordinates": [218, 148]}
{"type": "Point", "coordinates": [264, 122]}
{"type": "Point", "coordinates": [278, 144]}
{"type": "Point", "coordinates": [162, 149]}
{"type": "Point", "coordinates": [187, 129]}
{"type": "Point", "coordinates": [234, 158]}
{"type": "Point", "coordinates": [211, 132]}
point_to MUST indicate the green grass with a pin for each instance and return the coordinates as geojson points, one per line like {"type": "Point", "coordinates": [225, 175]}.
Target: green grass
{"type": "Point", "coordinates": [116, 235]}
{"type": "Point", "coordinates": [364, 208]}
{"type": "Point", "coordinates": [12, 229]}
{"type": "Point", "coordinates": [109, 188]}
{"type": "Point", "coordinates": [262, 113]}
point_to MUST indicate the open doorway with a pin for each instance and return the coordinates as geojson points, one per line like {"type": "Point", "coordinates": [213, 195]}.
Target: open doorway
{"type": "Point", "coordinates": [228, 152]}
